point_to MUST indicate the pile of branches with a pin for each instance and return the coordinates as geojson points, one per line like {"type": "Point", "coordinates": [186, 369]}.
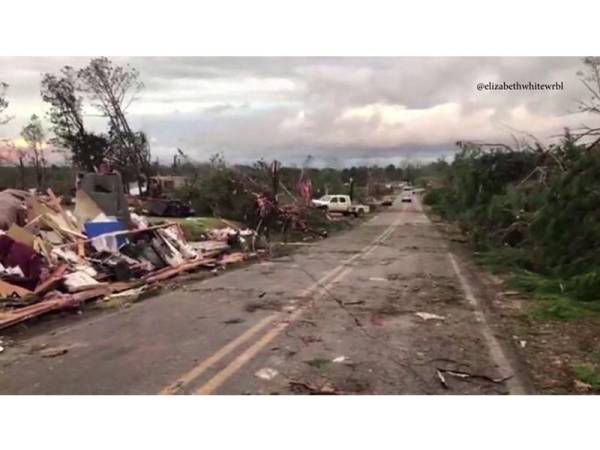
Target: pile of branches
{"type": "Point", "coordinates": [252, 195]}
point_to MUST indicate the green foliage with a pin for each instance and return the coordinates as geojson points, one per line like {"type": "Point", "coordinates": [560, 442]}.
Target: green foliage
{"type": "Point", "coordinates": [219, 193]}
{"type": "Point", "coordinates": [588, 374]}
{"type": "Point", "coordinates": [558, 308]}
{"type": "Point", "coordinates": [195, 228]}
{"type": "Point", "coordinates": [62, 93]}
{"type": "Point", "coordinates": [3, 103]}
{"type": "Point", "coordinates": [534, 212]}
{"type": "Point", "coordinates": [33, 132]}
{"type": "Point", "coordinates": [502, 259]}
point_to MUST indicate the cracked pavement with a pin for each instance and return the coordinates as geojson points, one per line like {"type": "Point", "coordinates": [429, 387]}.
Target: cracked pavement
{"type": "Point", "coordinates": [335, 317]}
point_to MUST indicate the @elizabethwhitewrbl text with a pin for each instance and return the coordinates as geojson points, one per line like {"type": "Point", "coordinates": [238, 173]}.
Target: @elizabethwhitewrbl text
{"type": "Point", "coordinates": [520, 86]}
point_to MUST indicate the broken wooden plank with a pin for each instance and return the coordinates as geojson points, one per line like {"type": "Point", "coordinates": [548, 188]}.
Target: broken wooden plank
{"type": "Point", "coordinates": [51, 281]}
{"type": "Point", "coordinates": [11, 290]}
{"type": "Point", "coordinates": [20, 315]}
{"type": "Point", "coordinates": [172, 272]}
{"type": "Point", "coordinates": [80, 248]}
{"type": "Point", "coordinates": [86, 208]}
{"type": "Point", "coordinates": [20, 234]}
{"type": "Point", "coordinates": [91, 294]}
{"type": "Point", "coordinates": [54, 201]}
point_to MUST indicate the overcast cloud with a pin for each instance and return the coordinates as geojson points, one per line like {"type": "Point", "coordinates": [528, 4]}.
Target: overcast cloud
{"type": "Point", "coordinates": [343, 111]}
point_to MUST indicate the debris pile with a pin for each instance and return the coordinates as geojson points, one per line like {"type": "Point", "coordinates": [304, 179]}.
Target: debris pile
{"type": "Point", "coordinates": [53, 258]}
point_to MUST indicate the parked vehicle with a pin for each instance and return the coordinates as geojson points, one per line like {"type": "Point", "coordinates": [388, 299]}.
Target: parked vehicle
{"type": "Point", "coordinates": [169, 208]}
{"type": "Point", "coordinates": [406, 197]}
{"type": "Point", "coordinates": [340, 204]}
{"type": "Point", "coordinates": [387, 201]}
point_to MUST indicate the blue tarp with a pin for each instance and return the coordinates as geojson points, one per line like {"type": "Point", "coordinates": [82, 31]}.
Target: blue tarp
{"type": "Point", "coordinates": [93, 229]}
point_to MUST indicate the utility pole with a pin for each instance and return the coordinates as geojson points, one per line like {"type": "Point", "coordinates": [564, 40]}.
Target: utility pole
{"type": "Point", "coordinates": [275, 166]}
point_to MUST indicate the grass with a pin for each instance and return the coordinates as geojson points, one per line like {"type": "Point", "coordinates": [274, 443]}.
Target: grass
{"type": "Point", "coordinates": [588, 374]}
{"type": "Point", "coordinates": [503, 259]}
{"type": "Point", "coordinates": [319, 363]}
{"type": "Point", "coordinates": [195, 227]}
{"type": "Point", "coordinates": [557, 308]}
{"type": "Point", "coordinates": [553, 302]}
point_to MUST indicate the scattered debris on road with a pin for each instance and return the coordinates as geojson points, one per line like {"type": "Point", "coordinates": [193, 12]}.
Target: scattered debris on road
{"type": "Point", "coordinates": [357, 302]}
{"type": "Point", "coordinates": [233, 321]}
{"type": "Point", "coordinates": [299, 387]}
{"type": "Point", "coordinates": [266, 373]}
{"type": "Point", "coordinates": [269, 304]}
{"type": "Point", "coordinates": [428, 316]}
{"type": "Point", "coordinates": [53, 352]}
{"type": "Point", "coordinates": [580, 386]}
{"type": "Point", "coordinates": [466, 375]}
{"type": "Point", "coordinates": [319, 363]}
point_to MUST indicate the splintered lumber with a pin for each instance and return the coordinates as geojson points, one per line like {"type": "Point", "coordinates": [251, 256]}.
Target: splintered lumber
{"type": "Point", "coordinates": [55, 202]}
{"type": "Point", "coordinates": [19, 234]}
{"type": "Point", "coordinates": [10, 290]}
{"type": "Point", "coordinates": [170, 272]}
{"type": "Point", "coordinates": [55, 303]}
{"type": "Point", "coordinates": [91, 294]}
{"type": "Point", "coordinates": [120, 286]}
{"type": "Point", "coordinates": [51, 281]}
{"type": "Point", "coordinates": [235, 258]}
{"type": "Point", "coordinates": [58, 221]}
{"type": "Point", "coordinates": [30, 223]}
{"type": "Point", "coordinates": [86, 208]}
{"type": "Point", "coordinates": [80, 248]}
{"type": "Point", "coordinates": [19, 315]}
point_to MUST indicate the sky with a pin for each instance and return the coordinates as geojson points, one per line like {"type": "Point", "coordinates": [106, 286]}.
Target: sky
{"type": "Point", "coordinates": [342, 111]}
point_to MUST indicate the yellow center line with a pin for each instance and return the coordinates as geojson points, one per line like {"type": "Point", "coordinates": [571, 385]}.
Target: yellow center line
{"type": "Point", "coordinates": [198, 370]}
{"type": "Point", "coordinates": [221, 377]}
{"type": "Point", "coordinates": [231, 346]}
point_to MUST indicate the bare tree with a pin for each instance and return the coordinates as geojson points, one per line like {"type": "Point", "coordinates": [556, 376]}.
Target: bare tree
{"type": "Point", "coordinates": [590, 77]}
{"type": "Point", "coordinates": [33, 134]}
{"type": "Point", "coordinates": [112, 89]}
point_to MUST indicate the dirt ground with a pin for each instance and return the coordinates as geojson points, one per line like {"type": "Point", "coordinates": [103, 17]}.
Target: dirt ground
{"type": "Point", "coordinates": [548, 349]}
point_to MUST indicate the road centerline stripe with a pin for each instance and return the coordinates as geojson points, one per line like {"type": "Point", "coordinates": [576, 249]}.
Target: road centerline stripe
{"type": "Point", "coordinates": [233, 345]}
{"type": "Point", "coordinates": [222, 376]}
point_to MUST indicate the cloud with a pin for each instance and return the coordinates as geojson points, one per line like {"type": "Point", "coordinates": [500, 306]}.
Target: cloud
{"type": "Point", "coordinates": [340, 110]}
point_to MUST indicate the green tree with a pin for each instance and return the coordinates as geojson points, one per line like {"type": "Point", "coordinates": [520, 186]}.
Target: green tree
{"type": "Point", "coordinates": [34, 135]}
{"type": "Point", "coordinates": [112, 89]}
{"type": "Point", "coordinates": [63, 93]}
{"type": "Point", "coordinates": [3, 103]}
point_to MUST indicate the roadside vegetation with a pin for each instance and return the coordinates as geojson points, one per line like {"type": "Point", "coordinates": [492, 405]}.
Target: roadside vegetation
{"type": "Point", "coordinates": [532, 213]}
{"type": "Point", "coordinates": [534, 209]}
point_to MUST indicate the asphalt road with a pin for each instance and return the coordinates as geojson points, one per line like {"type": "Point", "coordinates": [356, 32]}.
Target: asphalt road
{"type": "Point", "coordinates": [340, 316]}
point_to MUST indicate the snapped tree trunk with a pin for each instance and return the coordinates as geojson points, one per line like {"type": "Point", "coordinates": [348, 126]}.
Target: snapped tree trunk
{"type": "Point", "coordinates": [22, 172]}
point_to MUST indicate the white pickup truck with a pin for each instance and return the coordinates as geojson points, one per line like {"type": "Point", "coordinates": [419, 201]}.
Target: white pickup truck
{"type": "Point", "coordinates": [340, 204]}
